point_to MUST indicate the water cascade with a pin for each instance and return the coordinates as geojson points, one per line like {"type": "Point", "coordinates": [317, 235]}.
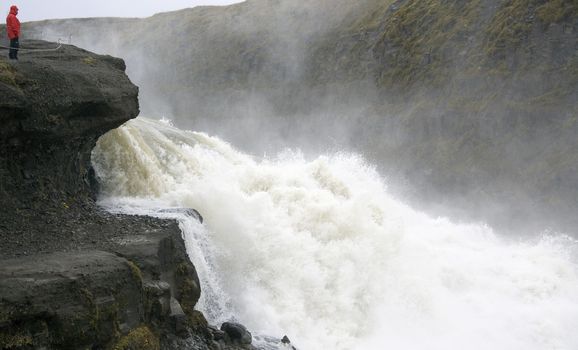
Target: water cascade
{"type": "Point", "coordinates": [319, 250]}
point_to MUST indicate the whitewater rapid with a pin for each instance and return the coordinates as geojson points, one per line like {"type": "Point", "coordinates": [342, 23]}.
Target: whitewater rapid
{"type": "Point", "coordinates": [319, 250]}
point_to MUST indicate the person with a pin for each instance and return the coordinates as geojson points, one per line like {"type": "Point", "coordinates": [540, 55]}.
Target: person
{"type": "Point", "coordinates": [13, 30]}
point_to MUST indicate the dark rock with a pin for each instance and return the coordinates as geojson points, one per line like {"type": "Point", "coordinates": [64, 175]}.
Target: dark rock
{"type": "Point", "coordinates": [55, 105]}
{"type": "Point", "coordinates": [285, 340]}
{"type": "Point", "coordinates": [217, 333]}
{"type": "Point", "coordinates": [178, 319]}
{"type": "Point", "coordinates": [139, 281]}
{"type": "Point", "coordinates": [71, 275]}
{"type": "Point", "coordinates": [76, 298]}
{"type": "Point", "coordinates": [237, 333]}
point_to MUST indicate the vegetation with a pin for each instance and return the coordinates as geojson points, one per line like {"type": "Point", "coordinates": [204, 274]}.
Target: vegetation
{"type": "Point", "coordinates": [136, 272]}
{"type": "Point", "coordinates": [91, 61]}
{"type": "Point", "coordinates": [480, 81]}
{"type": "Point", "coordinates": [7, 74]}
{"type": "Point", "coordinates": [141, 338]}
{"type": "Point", "coordinates": [509, 27]}
{"type": "Point", "coordinates": [422, 40]}
{"type": "Point", "coordinates": [15, 339]}
{"type": "Point", "coordinates": [555, 11]}
{"type": "Point", "coordinates": [187, 288]}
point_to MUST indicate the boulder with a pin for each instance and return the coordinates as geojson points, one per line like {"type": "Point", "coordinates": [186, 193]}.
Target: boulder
{"type": "Point", "coordinates": [237, 333]}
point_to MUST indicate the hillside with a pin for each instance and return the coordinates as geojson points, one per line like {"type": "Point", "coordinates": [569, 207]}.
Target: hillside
{"type": "Point", "coordinates": [488, 90]}
{"type": "Point", "coordinates": [464, 104]}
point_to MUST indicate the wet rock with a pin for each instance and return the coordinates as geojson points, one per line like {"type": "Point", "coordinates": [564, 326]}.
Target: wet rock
{"type": "Point", "coordinates": [178, 319]}
{"type": "Point", "coordinates": [237, 333]}
{"type": "Point", "coordinates": [217, 334]}
{"type": "Point", "coordinates": [285, 340]}
{"type": "Point", "coordinates": [54, 158]}
{"type": "Point", "coordinates": [75, 298]}
{"type": "Point", "coordinates": [187, 211]}
{"type": "Point", "coordinates": [72, 275]}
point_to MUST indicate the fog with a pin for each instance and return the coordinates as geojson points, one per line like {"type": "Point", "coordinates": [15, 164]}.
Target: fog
{"type": "Point", "coordinates": [184, 79]}
{"type": "Point", "coordinates": [270, 75]}
{"type": "Point", "coordinates": [33, 10]}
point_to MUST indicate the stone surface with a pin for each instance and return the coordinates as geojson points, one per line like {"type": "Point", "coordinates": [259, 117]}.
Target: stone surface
{"type": "Point", "coordinates": [237, 332]}
{"type": "Point", "coordinates": [75, 299]}
{"type": "Point", "coordinates": [54, 106]}
{"type": "Point", "coordinates": [72, 275]}
{"type": "Point", "coordinates": [89, 297]}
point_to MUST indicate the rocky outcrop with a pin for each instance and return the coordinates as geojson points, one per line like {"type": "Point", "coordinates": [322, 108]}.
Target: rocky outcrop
{"type": "Point", "coordinates": [54, 106]}
{"type": "Point", "coordinates": [72, 275]}
{"type": "Point", "coordinates": [92, 298]}
{"type": "Point", "coordinates": [479, 103]}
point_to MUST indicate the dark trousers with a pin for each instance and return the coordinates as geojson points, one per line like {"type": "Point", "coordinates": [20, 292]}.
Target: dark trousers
{"type": "Point", "coordinates": [14, 45]}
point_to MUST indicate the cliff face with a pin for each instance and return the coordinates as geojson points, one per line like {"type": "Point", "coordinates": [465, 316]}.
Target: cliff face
{"type": "Point", "coordinates": [54, 106]}
{"type": "Point", "coordinates": [472, 102]}
{"type": "Point", "coordinates": [71, 275]}
{"type": "Point", "coordinates": [484, 98]}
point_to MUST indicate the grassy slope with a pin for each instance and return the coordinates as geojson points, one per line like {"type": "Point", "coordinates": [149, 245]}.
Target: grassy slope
{"type": "Point", "coordinates": [490, 91]}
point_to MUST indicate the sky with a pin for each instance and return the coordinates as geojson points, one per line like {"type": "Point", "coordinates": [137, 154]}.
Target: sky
{"type": "Point", "coordinates": [33, 10]}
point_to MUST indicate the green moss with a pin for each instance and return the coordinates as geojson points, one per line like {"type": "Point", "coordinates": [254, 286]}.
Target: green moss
{"type": "Point", "coordinates": [423, 37]}
{"type": "Point", "coordinates": [370, 17]}
{"type": "Point", "coordinates": [15, 339]}
{"type": "Point", "coordinates": [7, 74]}
{"type": "Point", "coordinates": [102, 320]}
{"type": "Point", "coordinates": [469, 105]}
{"type": "Point", "coordinates": [431, 42]}
{"type": "Point", "coordinates": [509, 27]}
{"type": "Point", "coordinates": [555, 11]}
{"type": "Point", "coordinates": [197, 320]}
{"type": "Point", "coordinates": [141, 338]}
{"type": "Point", "coordinates": [187, 288]}
{"type": "Point", "coordinates": [91, 61]}
{"type": "Point", "coordinates": [136, 272]}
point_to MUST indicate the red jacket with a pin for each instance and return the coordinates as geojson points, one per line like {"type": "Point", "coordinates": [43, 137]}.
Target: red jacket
{"type": "Point", "coordinates": [12, 23]}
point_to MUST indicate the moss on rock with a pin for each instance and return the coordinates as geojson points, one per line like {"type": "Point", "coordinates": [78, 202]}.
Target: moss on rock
{"type": "Point", "coordinates": [7, 74]}
{"type": "Point", "coordinates": [15, 339]}
{"type": "Point", "coordinates": [135, 271]}
{"type": "Point", "coordinates": [554, 11]}
{"type": "Point", "coordinates": [188, 289]}
{"type": "Point", "coordinates": [141, 338]}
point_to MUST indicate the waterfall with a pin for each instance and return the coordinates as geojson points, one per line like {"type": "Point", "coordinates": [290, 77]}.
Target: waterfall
{"type": "Point", "coordinates": [319, 250]}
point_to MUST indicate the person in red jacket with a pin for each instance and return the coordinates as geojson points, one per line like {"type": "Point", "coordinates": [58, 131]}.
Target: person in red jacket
{"type": "Point", "coordinates": [13, 29]}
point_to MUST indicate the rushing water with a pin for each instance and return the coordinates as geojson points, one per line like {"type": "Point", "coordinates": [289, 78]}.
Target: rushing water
{"type": "Point", "coordinates": [320, 251]}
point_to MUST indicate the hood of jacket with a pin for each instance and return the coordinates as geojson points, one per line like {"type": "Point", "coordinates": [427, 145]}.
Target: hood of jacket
{"type": "Point", "coordinates": [13, 10]}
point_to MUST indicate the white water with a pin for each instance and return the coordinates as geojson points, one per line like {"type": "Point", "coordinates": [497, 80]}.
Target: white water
{"type": "Point", "coordinates": [318, 250]}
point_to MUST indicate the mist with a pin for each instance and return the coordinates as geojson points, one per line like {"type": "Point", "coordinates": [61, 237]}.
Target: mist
{"type": "Point", "coordinates": [260, 91]}
{"type": "Point", "coordinates": [35, 10]}
{"type": "Point", "coordinates": [282, 70]}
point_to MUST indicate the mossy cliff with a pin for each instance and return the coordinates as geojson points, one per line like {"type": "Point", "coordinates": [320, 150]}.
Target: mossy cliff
{"type": "Point", "coordinates": [486, 97]}
{"type": "Point", "coordinates": [471, 102]}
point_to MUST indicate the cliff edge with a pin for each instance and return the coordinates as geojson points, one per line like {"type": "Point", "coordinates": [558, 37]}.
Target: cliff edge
{"type": "Point", "coordinates": [54, 106]}
{"type": "Point", "coordinates": [72, 275]}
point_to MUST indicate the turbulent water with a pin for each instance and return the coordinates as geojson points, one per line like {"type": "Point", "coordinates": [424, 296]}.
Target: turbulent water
{"type": "Point", "coordinates": [319, 250]}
